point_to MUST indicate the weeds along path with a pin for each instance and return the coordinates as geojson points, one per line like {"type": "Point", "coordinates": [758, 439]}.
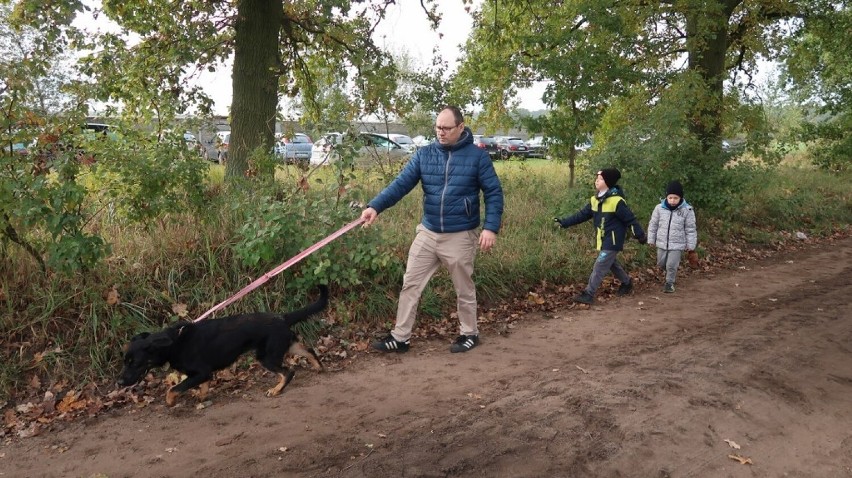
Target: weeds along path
{"type": "Point", "coordinates": [752, 365]}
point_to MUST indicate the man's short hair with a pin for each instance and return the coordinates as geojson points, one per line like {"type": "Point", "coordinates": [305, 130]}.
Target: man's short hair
{"type": "Point", "coordinates": [457, 114]}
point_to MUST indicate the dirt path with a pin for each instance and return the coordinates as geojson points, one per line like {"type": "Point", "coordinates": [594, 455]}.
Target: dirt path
{"type": "Point", "coordinates": [651, 385]}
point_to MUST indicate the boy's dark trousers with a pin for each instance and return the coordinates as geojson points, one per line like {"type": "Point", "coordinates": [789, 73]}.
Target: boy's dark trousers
{"type": "Point", "coordinates": [606, 262]}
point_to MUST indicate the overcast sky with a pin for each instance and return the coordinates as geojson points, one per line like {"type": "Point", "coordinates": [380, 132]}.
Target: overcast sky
{"type": "Point", "coordinates": [405, 29]}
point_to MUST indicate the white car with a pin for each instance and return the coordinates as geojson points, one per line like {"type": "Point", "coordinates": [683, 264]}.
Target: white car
{"type": "Point", "coordinates": [371, 149]}
{"type": "Point", "coordinates": [403, 140]}
{"type": "Point", "coordinates": [421, 140]}
{"type": "Point", "coordinates": [537, 147]}
{"type": "Point", "coordinates": [223, 138]}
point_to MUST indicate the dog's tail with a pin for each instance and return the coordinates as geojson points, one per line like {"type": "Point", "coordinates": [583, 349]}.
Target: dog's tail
{"type": "Point", "coordinates": [297, 316]}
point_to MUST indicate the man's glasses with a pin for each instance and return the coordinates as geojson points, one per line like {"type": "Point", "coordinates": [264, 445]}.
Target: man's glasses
{"type": "Point", "coordinates": [445, 129]}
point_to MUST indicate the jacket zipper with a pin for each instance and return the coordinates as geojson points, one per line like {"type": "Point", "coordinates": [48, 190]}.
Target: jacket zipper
{"type": "Point", "coordinates": [669, 228]}
{"type": "Point", "coordinates": [444, 191]}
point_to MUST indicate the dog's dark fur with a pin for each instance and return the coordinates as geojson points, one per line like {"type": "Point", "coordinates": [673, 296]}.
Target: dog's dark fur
{"type": "Point", "coordinates": [201, 348]}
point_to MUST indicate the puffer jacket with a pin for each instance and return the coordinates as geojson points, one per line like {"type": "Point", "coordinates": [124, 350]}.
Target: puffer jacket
{"type": "Point", "coordinates": [451, 178]}
{"type": "Point", "coordinates": [673, 229]}
{"type": "Point", "coordinates": [612, 218]}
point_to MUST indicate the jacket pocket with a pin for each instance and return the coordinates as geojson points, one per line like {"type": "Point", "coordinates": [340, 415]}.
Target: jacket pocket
{"type": "Point", "coordinates": [468, 207]}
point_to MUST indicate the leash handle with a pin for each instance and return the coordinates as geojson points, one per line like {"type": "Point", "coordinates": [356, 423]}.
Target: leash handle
{"type": "Point", "coordinates": [281, 268]}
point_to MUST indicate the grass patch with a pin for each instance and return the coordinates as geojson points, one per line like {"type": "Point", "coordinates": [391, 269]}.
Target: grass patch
{"type": "Point", "coordinates": [64, 328]}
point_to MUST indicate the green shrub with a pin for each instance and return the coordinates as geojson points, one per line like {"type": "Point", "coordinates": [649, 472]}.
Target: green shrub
{"type": "Point", "coordinates": [181, 264]}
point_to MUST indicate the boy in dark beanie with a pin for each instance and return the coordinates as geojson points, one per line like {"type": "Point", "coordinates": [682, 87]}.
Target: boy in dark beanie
{"type": "Point", "coordinates": [612, 219]}
{"type": "Point", "coordinates": [672, 229]}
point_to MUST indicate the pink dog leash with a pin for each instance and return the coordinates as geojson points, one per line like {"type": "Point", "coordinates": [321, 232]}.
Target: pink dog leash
{"type": "Point", "coordinates": [274, 272]}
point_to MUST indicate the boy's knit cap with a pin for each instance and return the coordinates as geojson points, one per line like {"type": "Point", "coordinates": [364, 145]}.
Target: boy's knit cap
{"type": "Point", "coordinates": [610, 176]}
{"type": "Point", "coordinates": [674, 187]}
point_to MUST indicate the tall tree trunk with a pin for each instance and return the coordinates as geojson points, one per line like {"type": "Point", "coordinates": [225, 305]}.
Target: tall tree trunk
{"type": "Point", "coordinates": [255, 80]}
{"type": "Point", "coordinates": [707, 47]}
{"type": "Point", "coordinates": [572, 161]}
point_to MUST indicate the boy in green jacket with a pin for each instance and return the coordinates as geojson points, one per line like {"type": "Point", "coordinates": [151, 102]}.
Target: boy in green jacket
{"type": "Point", "coordinates": [612, 218]}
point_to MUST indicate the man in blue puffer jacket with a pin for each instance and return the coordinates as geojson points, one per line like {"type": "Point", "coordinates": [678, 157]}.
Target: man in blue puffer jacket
{"type": "Point", "coordinates": [452, 172]}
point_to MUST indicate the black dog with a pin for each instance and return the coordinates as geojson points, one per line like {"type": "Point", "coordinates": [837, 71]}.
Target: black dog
{"type": "Point", "coordinates": [199, 349]}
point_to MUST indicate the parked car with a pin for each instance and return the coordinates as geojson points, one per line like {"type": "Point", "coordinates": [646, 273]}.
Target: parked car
{"type": "Point", "coordinates": [295, 148]}
{"type": "Point", "coordinates": [488, 143]}
{"type": "Point", "coordinates": [370, 148]}
{"type": "Point", "coordinates": [403, 140]}
{"type": "Point", "coordinates": [421, 140]}
{"type": "Point", "coordinates": [512, 147]}
{"type": "Point", "coordinates": [194, 145]}
{"type": "Point", "coordinates": [537, 147]}
{"type": "Point", "coordinates": [583, 146]}
{"type": "Point", "coordinates": [223, 138]}
{"type": "Point", "coordinates": [49, 144]}
{"type": "Point", "coordinates": [18, 148]}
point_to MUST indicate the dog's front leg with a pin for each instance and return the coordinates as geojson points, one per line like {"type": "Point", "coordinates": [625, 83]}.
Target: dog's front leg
{"type": "Point", "coordinates": [283, 380]}
{"type": "Point", "coordinates": [190, 382]}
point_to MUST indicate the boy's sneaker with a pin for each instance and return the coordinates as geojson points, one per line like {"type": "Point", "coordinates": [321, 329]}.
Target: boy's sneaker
{"type": "Point", "coordinates": [390, 344]}
{"type": "Point", "coordinates": [625, 289]}
{"type": "Point", "coordinates": [584, 298]}
{"type": "Point", "coordinates": [464, 343]}
{"type": "Point", "coordinates": [668, 288]}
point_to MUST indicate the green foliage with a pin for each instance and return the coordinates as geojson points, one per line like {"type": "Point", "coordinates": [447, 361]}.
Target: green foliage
{"type": "Point", "coordinates": [596, 55]}
{"type": "Point", "coordinates": [830, 142]}
{"type": "Point", "coordinates": [201, 258]}
{"type": "Point", "coordinates": [281, 229]}
{"type": "Point", "coordinates": [140, 178]}
{"type": "Point", "coordinates": [818, 63]}
{"type": "Point", "coordinates": [657, 146]}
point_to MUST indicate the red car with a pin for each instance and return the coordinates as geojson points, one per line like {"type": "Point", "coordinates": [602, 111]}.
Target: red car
{"type": "Point", "coordinates": [510, 147]}
{"type": "Point", "coordinates": [488, 143]}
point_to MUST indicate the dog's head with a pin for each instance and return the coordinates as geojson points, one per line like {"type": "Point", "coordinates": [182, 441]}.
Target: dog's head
{"type": "Point", "coordinates": [145, 351]}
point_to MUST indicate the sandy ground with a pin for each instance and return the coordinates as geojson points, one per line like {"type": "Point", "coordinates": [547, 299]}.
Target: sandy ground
{"type": "Point", "coordinates": [651, 385]}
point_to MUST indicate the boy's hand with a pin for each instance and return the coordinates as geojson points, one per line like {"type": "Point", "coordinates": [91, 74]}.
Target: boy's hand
{"type": "Point", "coordinates": [642, 240]}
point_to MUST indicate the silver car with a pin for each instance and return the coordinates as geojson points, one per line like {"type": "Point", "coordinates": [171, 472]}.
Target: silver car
{"type": "Point", "coordinates": [295, 148]}
{"type": "Point", "coordinates": [370, 149]}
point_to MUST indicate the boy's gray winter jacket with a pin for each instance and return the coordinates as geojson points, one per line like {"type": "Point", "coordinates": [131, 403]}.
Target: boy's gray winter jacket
{"type": "Point", "coordinates": [673, 229]}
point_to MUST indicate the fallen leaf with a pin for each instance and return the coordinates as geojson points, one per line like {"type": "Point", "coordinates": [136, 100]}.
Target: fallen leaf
{"type": "Point", "coordinates": [9, 418]}
{"type": "Point", "coordinates": [743, 460]}
{"type": "Point", "coordinates": [112, 297]}
{"type": "Point", "coordinates": [303, 184]}
{"type": "Point", "coordinates": [72, 401]}
{"type": "Point", "coordinates": [30, 431]}
{"type": "Point", "coordinates": [581, 369]}
{"type": "Point", "coordinates": [535, 298]}
{"type": "Point", "coordinates": [180, 310]}
{"type": "Point", "coordinates": [733, 444]}
{"type": "Point", "coordinates": [173, 379]}
{"type": "Point", "coordinates": [283, 449]}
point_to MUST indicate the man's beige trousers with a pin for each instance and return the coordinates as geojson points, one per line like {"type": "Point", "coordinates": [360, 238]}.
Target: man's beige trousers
{"type": "Point", "coordinates": [456, 251]}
